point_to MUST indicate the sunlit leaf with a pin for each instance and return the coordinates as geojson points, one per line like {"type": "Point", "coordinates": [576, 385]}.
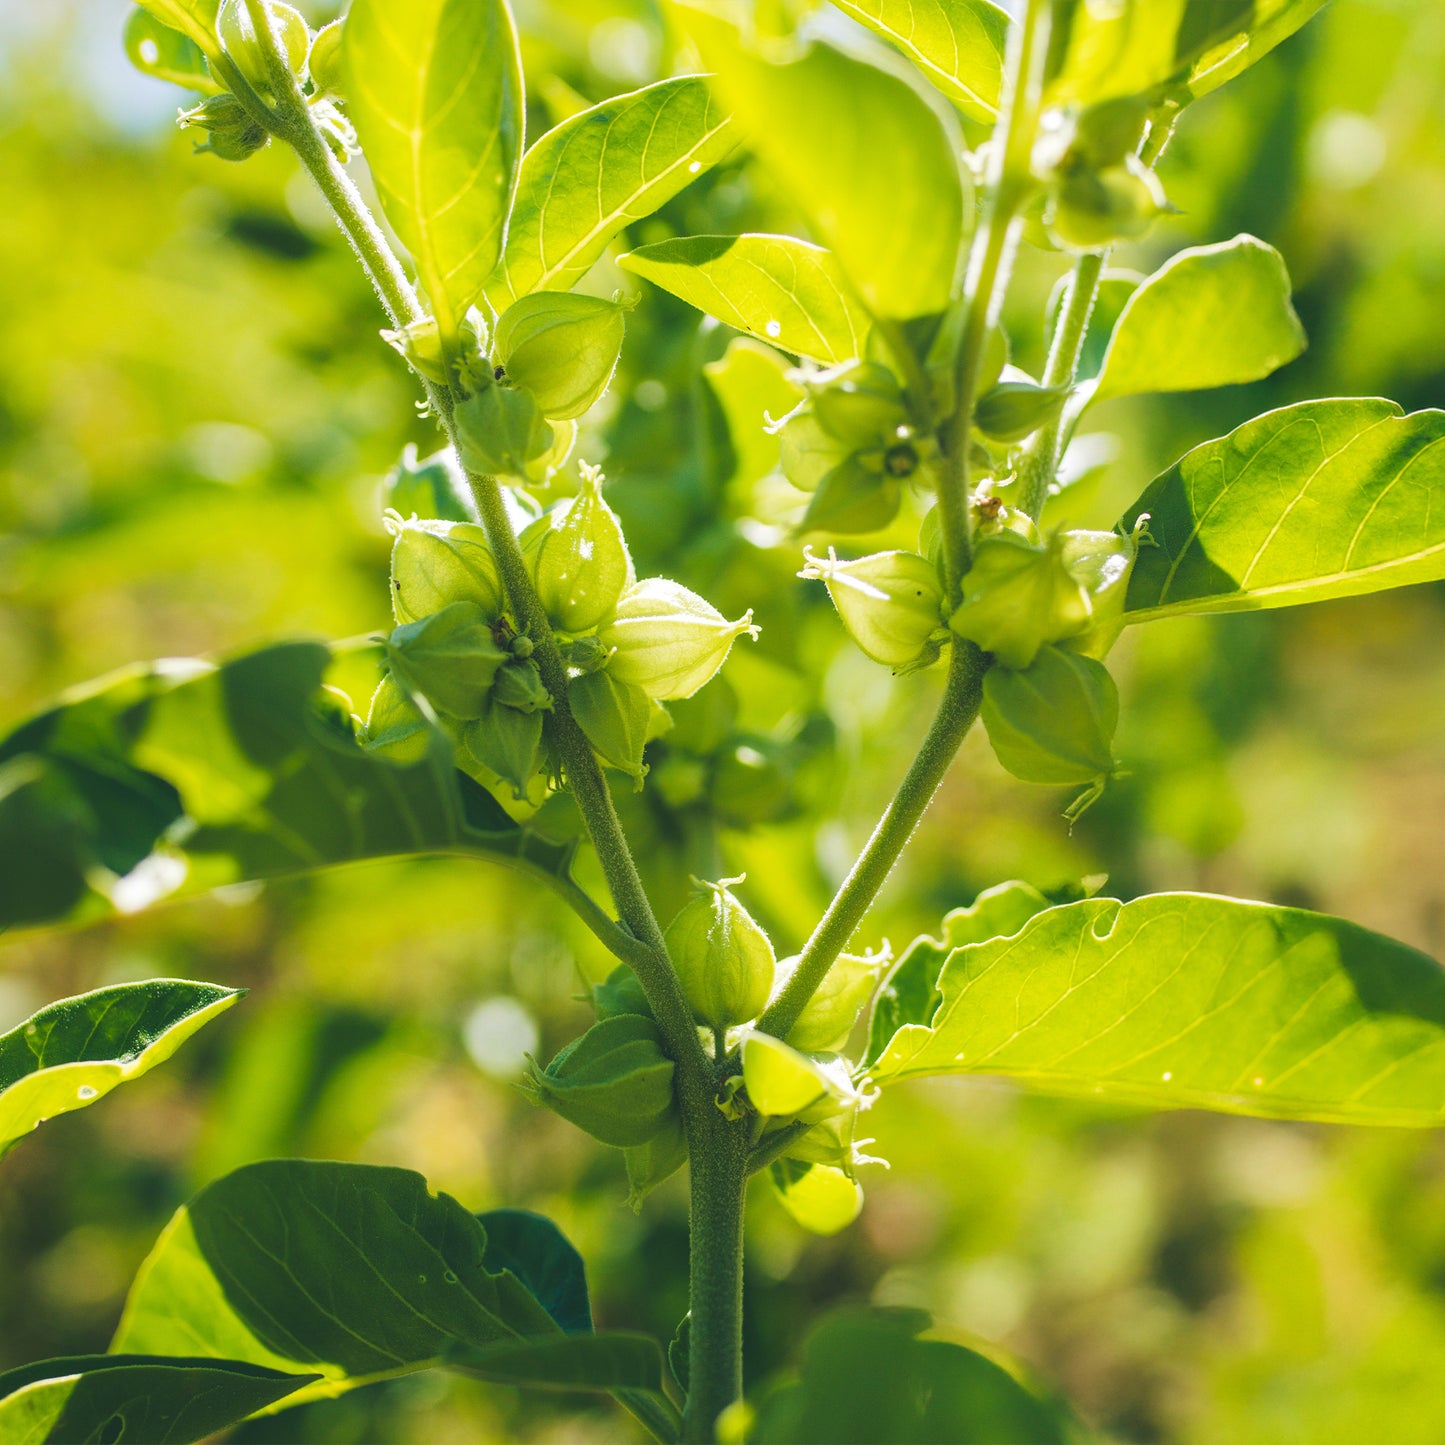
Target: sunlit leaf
{"type": "Point", "coordinates": [161, 1401]}
{"type": "Point", "coordinates": [195, 19]}
{"type": "Point", "coordinates": [598, 172]}
{"type": "Point", "coordinates": [165, 54]}
{"type": "Point", "coordinates": [1324, 499]}
{"type": "Point", "coordinates": [352, 1270]}
{"type": "Point", "coordinates": [777, 288]}
{"type": "Point", "coordinates": [958, 44]}
{"type": "Point", "coordinates": [434, 88]}
{"type": "Point", "coordinates": [1182, 1000]}
{"type": "Point", "coordinates": [894, 215]}
{"type": "Point", "coordinates": [1212, 316]}
{"type": "Point", "coordinates": [185, 776]}
{"type": "Point", "coordinates": [73, 1052]}
{"type": "Point", "coordinates": [865, 1376]}
{"type": "Point", "coordinates": [1179, 48]}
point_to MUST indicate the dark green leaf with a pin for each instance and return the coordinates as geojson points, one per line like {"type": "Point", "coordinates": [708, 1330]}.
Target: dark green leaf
{"type": "Point", "coordinates": [1325, 499]}
{"type": "Point", "coordinates": [896, 213]}
{"type": "Point", "coordinates": [607, 1362]}
{"type": "Point", "coordinates": [353, 1270]}
{"type": "Point", "coordinates": [777, 288]}
{"type": "Point", "coordinates": [958, 44]}
{"type": "Point", "coordinates": [1182, 1000]}
{"type": "Point", "coordinates": [152, 1400]}
{"type": "Point", "coordinates": [1212, 316]}
{"type": "Point", "coordinates": [434, 88]}
{"type": "Point", "coordinates": [866, 1380]}
{"type": "Point", "coordinates": [71, 1053]}
{"type": "Point", "coordinates": [543, 1258]}
{"type": "Point", "coordinates": [185, 776]}
{"type": "Point", "coordinates": [598, 172]}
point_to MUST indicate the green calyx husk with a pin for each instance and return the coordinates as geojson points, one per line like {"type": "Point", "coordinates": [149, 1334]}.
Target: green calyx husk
{"type": "Point", "coordinates": [723, 959]}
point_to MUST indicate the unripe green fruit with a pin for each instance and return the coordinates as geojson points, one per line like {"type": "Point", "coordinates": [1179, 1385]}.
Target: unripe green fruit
{"type": "Point", "coordinates": [1053, 722]}
{"type": "Point", "coordinates": [1102, 563]}
{"type": "Point", "coordinates": [580, 563]}
{"type": "Point", "coordinates": [451, 658]}
{"type": "Point", "coordinates": [323, 64]}
{"type": "Point", "coordinates": [723, 958]}
{"type": "Point", "coordinates": [807, 451]}
{"type": "Point", "coordinates": [1091, 209]}
{"type": "Point", "coordinates": [784, 1082]}
{"type": "Point", "coordinates": [507, 743]}
{"type": "Point", "coordinates": [242, 44]}
{"type": "Point", "coordinates": [614, 716]}
{"type": "Point", "coordinates": [1018, 596]}
{"type": "Point", "coordinates": [501, 430]}
{"type": "Point", "coordinates": [519, 683]}
{"type": "Point", "coordinates": [891, 603]}
{"type": "Point", "coordinates": [615, 1082]}
{"type": "Point", "coordinates": [560, 347]}
{"type": "Point", "coordinates": [650, 1163]}
{"type": "Point", "coordinates": [859, 403]}
{"type": "Point", "coordinates": [232, 134]}
{"type": "Point", "coordinates": [395, 727]}
{"type": "Point", "coordinates": [1013, 410]}
{"type": "Point", "coordinates": [828, 1017]}
{"type": "Point", "coordinates": [853, 498]}
{"type": "Point", "coordinates": [620, 993]}
{"type": "Point", "coordinates": [822, 1199]}
{"type": "Point", "coordinates": [668, 641]}
{"type": "Point", "coordinates": [434, 564]}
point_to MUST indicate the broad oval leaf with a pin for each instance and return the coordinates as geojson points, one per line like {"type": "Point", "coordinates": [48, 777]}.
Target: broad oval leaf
{"type": "Point", "coordinates": [1211, 316]}
{"type": "Point", "coordinates": [155, 1399]}
{"type": "Point", "coordinates": [617, 1360]}
{"type": "Point", "coordinates": [434, 88]}
{"type": "Point", "coordinates": [865, 1376]}
{"type": "Point", "coordinates": [1183, 1000]}
{"type": "Point", "coordinates": [353, 1270]}
{"type": "Point", "coordinates": [895, 214]}
{"type": "Point", "coordinates": [185, 776]}
{"type": "Point", "coordinates": [599, 171]}
{"type": "Point", "coordinates": [958, 44]}
{"type": "Point", "coordinates": [1324, 499]}
{"type": "Point", "coordinates": [195, 19]}
{"type": "Point", "coordinates": [165, 54]}
{"type": "Point", "coordinates": [76, 1051]}
{"type": "Point", "coordinates": [1178, 48]}
{"type": "Point", "coordinates": [780, 289]}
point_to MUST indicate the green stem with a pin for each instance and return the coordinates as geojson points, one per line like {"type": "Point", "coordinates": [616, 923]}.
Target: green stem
{"type": "Point", "coordinates": [956, 713]}
{"type": "Point", "coordinates": [719, 1174]}
{"type": "Point", "coordinates": [1006, 192]}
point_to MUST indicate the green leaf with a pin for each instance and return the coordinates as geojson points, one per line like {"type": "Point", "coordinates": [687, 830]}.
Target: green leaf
{"type": "Point", "coordinates": [195, 19]}
{"type": "Point", "coordinates": [865, 1376]}
{"type": "Point", "coordinates": [1182, 1000]}
{"type": "Point", "coordinates": [1324, 499]}
{"type": "Point", "coordinates": [909, 993]}
{"type": "Point", "coordinates": [1178, 48]}
{"type": "Point", "coordinates": [73, 1052]}
{"type": "Point", "coordinates": [434, 88]}
{"type": "Point", "coordinates": [780, 289]}
{"type": "Point", "coordinates": [349, 1269]}
{"type": "Point", "coordinates": [183, 777]}
{"type": "Point", "coordinates": [606, 1362]}
{"type": "Point", "coordinates": [895, 214]}
{"type": "Point", "coordinates": [958, 44]}
{"type": "Point", "coordinates": [543, 1258]}
{"type": "Point", "coordinates": [165, 54]}
{"type": "Point", "coordinates": [1212, 316]}
{"type": "Point", "coordinates": [599, 171]}
{"type": "Point", "coordinates": [162, 1401]}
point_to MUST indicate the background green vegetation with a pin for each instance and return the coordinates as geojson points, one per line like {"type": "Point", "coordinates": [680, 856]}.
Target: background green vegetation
{"type": "Point", "coordinates": [195, 415]}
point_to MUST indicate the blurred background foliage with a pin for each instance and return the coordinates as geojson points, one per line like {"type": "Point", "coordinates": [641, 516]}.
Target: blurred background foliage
{"type": "Point", "coordinates": [195, 417]}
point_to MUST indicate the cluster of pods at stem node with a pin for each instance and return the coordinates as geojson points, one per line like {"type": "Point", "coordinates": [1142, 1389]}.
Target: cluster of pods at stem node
{"type": "Point", "coordinates": [458, 659]}
{"type": "Point", "coordinates": [616, 1081]}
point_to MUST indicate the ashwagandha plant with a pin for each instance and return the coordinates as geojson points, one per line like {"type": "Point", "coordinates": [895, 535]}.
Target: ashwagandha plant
{"type": "Point", "coordinates": [531, 672]}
